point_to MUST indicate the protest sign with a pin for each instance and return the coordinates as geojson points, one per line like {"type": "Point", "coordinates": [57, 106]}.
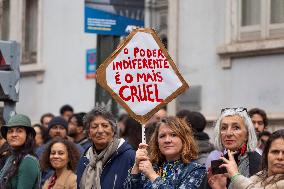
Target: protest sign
{"type": "Point", "coordinates": [141, 75]}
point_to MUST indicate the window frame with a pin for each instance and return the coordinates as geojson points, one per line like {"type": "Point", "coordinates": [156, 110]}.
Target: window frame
{"type": "Point", "coordinates": [235, 47]}
{"type": "Point", "coordinates": [17, 33]}
{"type": "Point", "coordinates": [2, 20]}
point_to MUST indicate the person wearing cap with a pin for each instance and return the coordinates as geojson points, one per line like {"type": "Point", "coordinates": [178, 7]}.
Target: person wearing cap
{"type": "Point", "coordinates": [21, 169]}
{"type": "Point", "coordinates": [57, 127]}
{"type": "Point", "coordinates": [104, 164]}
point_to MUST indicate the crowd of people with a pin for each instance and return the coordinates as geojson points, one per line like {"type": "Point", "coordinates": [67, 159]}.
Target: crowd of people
{"type": "Point", "coordinates": [96, 150]}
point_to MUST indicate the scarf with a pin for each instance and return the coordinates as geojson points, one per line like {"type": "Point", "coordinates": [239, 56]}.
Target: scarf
{"type": "Point", "coordinates": [169, 169]}
{"type": "Point", "coordinates": [52, 181]}
{"type": "Point", "coordinates": [92, 173]}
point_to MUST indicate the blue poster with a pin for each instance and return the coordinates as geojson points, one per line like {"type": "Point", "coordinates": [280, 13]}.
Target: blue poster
{"type": "Point", "coordinates": [113, 17]}
{"type": "Point", "coordinates": [91, 63]}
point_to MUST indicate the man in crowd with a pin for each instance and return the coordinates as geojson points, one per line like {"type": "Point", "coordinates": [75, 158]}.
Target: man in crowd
{"type": "Point", "coordinates": [260, 123]}
{"type": "Point", "coordinates": [76, 130]}
{"type": "Point", "coordinates": [259, 119]}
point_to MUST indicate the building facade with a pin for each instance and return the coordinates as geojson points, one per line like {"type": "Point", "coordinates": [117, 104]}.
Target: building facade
{"type": "Point", "coordinates": [54, 47]}
{"type": "Point", "coordinates": [231, 53]}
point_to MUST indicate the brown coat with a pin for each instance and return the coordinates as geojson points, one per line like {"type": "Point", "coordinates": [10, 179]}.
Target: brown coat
{"type": "Point", "coordinates": [67, 180]}
{"type": "Point", "coordinates": [255, 182]}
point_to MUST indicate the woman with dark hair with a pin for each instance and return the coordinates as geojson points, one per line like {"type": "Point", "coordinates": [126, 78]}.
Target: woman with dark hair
{"type": "Point", "coordinates": [170, 162]}
{"type": "Point", "coordinates": [272, 174]}
{"type": "Point", "coordinates": [21, 169]}
{"type": "Point", "coordinates": [62, 156]}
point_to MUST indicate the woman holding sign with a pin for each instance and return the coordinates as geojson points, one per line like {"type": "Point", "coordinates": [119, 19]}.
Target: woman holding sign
{"type": "Point", "coordinates": [170, 162]}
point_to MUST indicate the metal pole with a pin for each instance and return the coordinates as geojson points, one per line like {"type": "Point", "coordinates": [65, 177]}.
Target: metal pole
{"type": "Point", "coordinates": [9, 110]}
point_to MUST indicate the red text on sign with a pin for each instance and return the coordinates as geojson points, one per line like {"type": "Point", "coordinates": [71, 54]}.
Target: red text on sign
{"type": "Point", "coordinates": [156, 53]}
{"type": "Point", "coordinates": [140, 93]}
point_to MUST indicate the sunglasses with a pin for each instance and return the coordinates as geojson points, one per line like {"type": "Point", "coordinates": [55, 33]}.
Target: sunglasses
{"type": "Point", "coordinates": [238, 109]}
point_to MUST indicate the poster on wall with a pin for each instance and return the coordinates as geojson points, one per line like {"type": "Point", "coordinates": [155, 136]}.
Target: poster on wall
{"type": "Point", "coordinates": [113, 17]}
{"type": "Point", "coordinates": [140, 75]}
{"type": "Point", "coordinates": [91, 63]}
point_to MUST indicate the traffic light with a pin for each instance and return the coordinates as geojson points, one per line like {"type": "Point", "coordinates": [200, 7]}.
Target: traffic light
{"type": "Point", "coordinates": [9, 76]}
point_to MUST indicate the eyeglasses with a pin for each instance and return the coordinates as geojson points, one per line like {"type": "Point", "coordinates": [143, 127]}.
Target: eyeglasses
{"type": "Point", "coordinates": [238, 109]}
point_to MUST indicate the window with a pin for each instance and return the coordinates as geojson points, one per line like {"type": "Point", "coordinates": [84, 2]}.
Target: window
{"type": "Point", "coordinates": [260, 19]}
{"type": "Point", "coordinates": [277, 11]}
{"type": "Point", "coordinates": [4, 19]}
{"type": "Point", "coordinates": [253, 27]}
{"type": "Point", "coordinates": [250, 11]}
{"type": "Point", "coordinates": [30, 32]}
{"type": "Point", "coordinates": [20, 21]}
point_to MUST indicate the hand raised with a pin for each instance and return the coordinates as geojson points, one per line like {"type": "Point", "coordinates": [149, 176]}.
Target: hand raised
{"type": "Point", "coordinates": [230, 164]}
